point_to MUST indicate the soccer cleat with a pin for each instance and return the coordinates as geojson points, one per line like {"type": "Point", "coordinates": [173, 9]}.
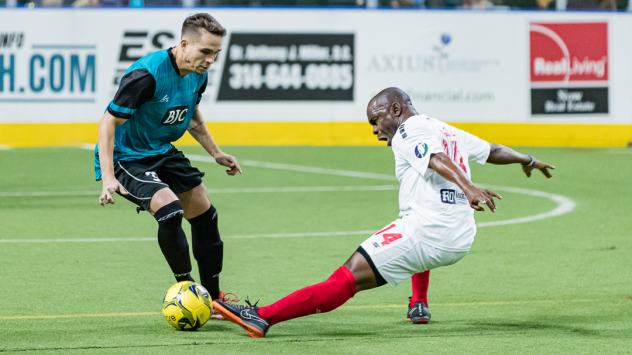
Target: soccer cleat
{"type": "Point", "coordinates": [224, 298]}
{"type": "Point", "coordinates": [418, 313]}
{"type": "Point", "coordinates": [245, 316]}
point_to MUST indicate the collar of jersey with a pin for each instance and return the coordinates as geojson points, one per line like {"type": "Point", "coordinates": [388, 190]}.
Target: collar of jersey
{"type": "Point", "coordinates": [173, 61]}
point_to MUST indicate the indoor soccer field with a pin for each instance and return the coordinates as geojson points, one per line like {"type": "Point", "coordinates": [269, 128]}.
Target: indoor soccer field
{"type": "Point", "coordinates": [549, 272]}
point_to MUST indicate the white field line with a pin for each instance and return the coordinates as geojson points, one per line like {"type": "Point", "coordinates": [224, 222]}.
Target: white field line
{"type": "Point", "coordinates": [564, 205]}
{"type": "Point", "coordinates": [220, 191]}
{"type": "Point", "coordinates": [301, 168]}
{"type": "Point", "coordinates": [49, 193]}
{"type": "Point", "coordinates": [250, 236]}
{"type": "Point", "coordinates": [305, 189]}
{"type": "Point", "coordinates": [280, 166]}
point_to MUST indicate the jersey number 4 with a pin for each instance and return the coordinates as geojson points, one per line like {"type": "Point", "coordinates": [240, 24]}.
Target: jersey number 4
{"type": "Point", "coordinates": [389, 237]}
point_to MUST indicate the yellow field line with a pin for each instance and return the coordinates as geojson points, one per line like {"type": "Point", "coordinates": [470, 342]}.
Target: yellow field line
{"type": "Point", "coordinates": [343, 307]}
{"type": "Point", "coordinates": [465, 304]}
{"type": "Point", "coordinates": [84, 315]}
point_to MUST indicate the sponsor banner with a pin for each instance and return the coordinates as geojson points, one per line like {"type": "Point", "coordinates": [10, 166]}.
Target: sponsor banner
{"type": "Point", "coordinates": [569, 101]}
{"type": "Point", "coordinates": [46, 72]}
{"type": "Point", "coordinates": [564, 56]}
{"type": "Point", "coordinates": [447, 70]}
{"type": "Point", "coordinates": [568, 52]}
{"type": "Point", "coordinates": [324, 65]}
{"type": "Point", "coordinates": [279, 67]}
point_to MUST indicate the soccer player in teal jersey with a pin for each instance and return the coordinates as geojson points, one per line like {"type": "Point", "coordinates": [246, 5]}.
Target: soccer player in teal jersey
{"type": "Point", "coordinates": [157, 101]}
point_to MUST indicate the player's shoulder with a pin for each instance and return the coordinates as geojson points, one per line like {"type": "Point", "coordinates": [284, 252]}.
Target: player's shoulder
{"type": "Point", "coordinates": [154, 63]}
{"type": "Point", "coordinates": [416, 124]}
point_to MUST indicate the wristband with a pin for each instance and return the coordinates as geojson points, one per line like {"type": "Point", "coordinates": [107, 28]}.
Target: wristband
{"type": "Point", "coordinates": [532, 163]}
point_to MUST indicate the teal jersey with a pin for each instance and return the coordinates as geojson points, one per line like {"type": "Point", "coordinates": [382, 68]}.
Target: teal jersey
{"type": "Point", "coordinates": [158, 105]}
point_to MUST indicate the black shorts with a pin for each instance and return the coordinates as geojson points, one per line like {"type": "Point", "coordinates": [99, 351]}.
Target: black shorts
{"type": "Point", "coordinates": [144, 177]}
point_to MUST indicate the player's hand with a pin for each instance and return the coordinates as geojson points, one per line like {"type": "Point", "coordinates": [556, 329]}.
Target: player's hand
{"type": "Point", "coordinates": [476, 196]}
{"type": "Point", "coordinates": [228, 161]}
{"type": "Point", "coordinates": [543, 167]}
{"type": "Point", "coordinates": [109, 188]}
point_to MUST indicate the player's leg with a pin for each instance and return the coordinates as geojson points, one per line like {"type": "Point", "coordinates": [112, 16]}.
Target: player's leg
{"type": "Point", "coordinates": [420, 283]}
{"type": "Point", "coordinates": [153, 195]}
{"type": "Point", "coordinates": [354, 276]}
{"type": "Point", "coordinates": [418, 311]}
{"type": "Point", "coordinates": [208, 248]}
{"type": "Point", "coordinates": [431, 258]}
{"type": "Point", "coordinates": [168, 212]}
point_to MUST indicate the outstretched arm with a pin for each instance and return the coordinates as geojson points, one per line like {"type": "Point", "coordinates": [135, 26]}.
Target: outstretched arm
{"type": "Point", "coordinates": [199, 131]}
{"type": "Point", "coordinates": [501, 155]}
{"type": "Point", "coordinates": [445, 167]}
{"type": "Point", "coordinates": [107, 126]}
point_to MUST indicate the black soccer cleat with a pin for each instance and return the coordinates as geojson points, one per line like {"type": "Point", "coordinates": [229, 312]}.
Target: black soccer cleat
{"type": "Point", "coordinates": [418, 313]}
{"type": "Point", "coordinates": [245, 316]}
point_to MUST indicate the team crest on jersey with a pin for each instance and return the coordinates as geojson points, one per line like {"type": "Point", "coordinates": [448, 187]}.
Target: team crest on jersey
{"type": "Point", "coordinates": [175, 116]}
{"type": "Point", "coordinates": [421, 149]}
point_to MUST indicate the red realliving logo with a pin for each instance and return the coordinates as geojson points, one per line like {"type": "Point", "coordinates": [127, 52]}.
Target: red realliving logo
{"type": "Point", "coordinates": [567, 52]}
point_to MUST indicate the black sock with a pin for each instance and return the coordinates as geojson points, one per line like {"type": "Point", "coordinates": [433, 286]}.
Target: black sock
{"type": "Point", "coordinates": [173, 241]}
{"type": "Point", "coordinates": [208, 249]}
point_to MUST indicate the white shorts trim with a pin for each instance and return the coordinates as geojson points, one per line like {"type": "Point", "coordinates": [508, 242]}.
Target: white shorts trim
{"type": "Point", "coordinates": [135, 178]}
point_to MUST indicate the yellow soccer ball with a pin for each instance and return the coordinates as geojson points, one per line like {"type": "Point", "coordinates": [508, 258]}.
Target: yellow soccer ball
{"type": "Point", "coordinates": [187, 305]}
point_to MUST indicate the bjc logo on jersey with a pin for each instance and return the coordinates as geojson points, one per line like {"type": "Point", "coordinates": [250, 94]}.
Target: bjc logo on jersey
{"type": "Point", "coordinates": [175, 116]}
{"type": "Point", "coordinates": [563, 52]}
{"type": "Point", "coordinates": [451, 196]}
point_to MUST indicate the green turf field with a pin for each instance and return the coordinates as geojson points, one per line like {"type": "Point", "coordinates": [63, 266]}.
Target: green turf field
{"type": "Point", "coordinates": [561, 284]}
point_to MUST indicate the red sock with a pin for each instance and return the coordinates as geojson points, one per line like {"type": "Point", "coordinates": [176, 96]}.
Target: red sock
{"type": "Point", "coordinates": [319, 298]}
{"type": "Point", "coordinates": [420, 287]}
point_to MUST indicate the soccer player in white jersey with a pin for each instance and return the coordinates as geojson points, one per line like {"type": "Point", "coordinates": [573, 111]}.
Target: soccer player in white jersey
{"type": "Point", "coordinates": [436, 227]}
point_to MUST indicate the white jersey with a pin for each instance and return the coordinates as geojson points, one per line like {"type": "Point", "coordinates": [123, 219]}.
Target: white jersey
{"type": "Point", "coordinates": [445, 218]}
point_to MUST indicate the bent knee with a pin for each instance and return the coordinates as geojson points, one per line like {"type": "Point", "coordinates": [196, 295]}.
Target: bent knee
{"type": "Point", "coordinates": [160, 199]}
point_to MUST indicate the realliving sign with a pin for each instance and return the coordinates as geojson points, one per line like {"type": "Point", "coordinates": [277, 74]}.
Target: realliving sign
{"type": "Point", "coordinates": [569, 68]}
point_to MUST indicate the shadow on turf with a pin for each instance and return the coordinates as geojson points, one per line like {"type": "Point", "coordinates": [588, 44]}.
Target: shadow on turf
{"type": "Point", "coordinates": [526, 326]}
{"type": "Point", "coordinates": [468, 329]}
{"type": "Point", "coordinates": [216, 326]}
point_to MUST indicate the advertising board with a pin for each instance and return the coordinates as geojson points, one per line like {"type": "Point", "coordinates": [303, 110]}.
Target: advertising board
{"type": "Point", "coordinates": [569, 68]}
{"type": "Point", "coordinates": [324, 65]}
{"type": "Point", "coordinates": [279, 67]}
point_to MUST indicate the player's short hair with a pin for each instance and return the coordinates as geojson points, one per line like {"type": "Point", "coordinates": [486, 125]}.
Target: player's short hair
{"type": "Point", "coordinates": [204, 21]}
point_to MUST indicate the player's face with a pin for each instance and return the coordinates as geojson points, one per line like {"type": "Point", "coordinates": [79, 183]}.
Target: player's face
{"type": "Point", "coordinates": [202, 52]}
{"type": "Point", "coordinates": [383, 122]}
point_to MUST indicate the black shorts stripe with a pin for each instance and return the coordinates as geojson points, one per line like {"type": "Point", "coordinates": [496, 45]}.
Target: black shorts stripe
{"type": "Point", "coordinates": [380, 280]}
